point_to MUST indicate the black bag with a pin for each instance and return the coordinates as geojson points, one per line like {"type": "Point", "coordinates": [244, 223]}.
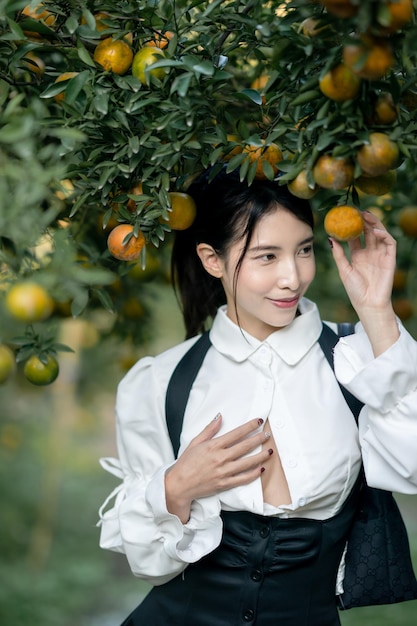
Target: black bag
{"type": "Point", "coordinates": [378, 568]}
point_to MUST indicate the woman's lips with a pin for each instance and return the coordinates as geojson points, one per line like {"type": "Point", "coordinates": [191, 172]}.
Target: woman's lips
{"type": "Point", "coordinates": [286, 303]}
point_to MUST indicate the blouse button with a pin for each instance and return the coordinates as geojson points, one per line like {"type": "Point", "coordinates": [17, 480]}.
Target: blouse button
{"type": "Point", "coordinates": [264, 532]}
{"type": "Point", "coordinates": [256, 575]}
{"type": "Point", "coordinates": [249, 615]}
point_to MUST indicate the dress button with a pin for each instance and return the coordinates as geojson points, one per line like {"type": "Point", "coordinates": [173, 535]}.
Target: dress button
{"type": "Point", "coordinates": [264, 532]}
{"type": "Point", "coordinates": [256, 575]}
{"type": "Point", "coordinates": [249, 615]}
{"type": "Point", "coordinates": [302, 501]}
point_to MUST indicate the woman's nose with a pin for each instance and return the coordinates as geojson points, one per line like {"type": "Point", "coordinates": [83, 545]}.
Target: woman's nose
{"type": "Point", "coordinates": [288, 277]}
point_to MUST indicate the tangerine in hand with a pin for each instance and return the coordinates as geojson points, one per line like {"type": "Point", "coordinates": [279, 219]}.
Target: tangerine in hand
{"type": "Point", "coordinates": [344, 223]}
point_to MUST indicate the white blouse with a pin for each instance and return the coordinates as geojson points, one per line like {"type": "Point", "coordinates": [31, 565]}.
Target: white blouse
{"type": "Point", "coordinates": [287, 380]}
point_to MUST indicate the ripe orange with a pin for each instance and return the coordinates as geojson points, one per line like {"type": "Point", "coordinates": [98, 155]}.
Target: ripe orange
{"type": "Point", "coordinates": [343, 223]}
{"type": "Point", "coordinates": [144, 59]}
{"type": "Point", "coordinates": [125, 251]}
{"type": "Point", "coordinates": [259, 84]}
{"type": "Point", "coordinates": [183, 211]}
{"type": "Point", "coordinates": [160, 39]}
{"type": "Point", "coordinates": [333, 172]}
{"type": "Point", "coordinates": [403, 308]}
{"type": "Point", "coordinates": [7, 363]}
{"type": "Point", "coordinates": [114, 55]}
{"type": "Point", "coordinates": [300, 188]}
{"type": "Point", "coordinates": [385, 111]}
{"type": "Point", "coordinates": [400, 13]}
{"type": "Point", "coordinates": [237, 149]}
{"type": "Point", "coordinates": [39, 12]}
{"type": "Point", "coordinates": [59, 97]}
{"type": "Point", "coordinates": [39, 373]}
{"type": "Point", "coordinates": [379, 155]}
{"type": "Point", "coordinates": [369, 57]}
{"type": "Point", "coordinates": [340, 83]}
{"type": "Point", "coordinates": [34, 63]}
{"type": "Point", "coordinates": [407, 220]}
{"type": "Point", "coordinates": [341, 8]}
{"type": "Point", "coordinates": [377, 185]}
{"type": "Point", "coordinates": [270, 153]}
{"type": "Point", "coordinates": [29, 302]}
{"type": "Point", "coordinates": [136, 190]}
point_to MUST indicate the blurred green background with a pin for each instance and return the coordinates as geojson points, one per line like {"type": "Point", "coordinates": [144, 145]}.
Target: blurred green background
{"type": "Point", "coordinates": [53, 572]}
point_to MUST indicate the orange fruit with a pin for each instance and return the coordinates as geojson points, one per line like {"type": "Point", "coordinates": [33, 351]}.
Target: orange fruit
{"type": "Point", "coordinates": [343, 223]}
{"type": "Point", "coordinates": [385, 111]}
{"type": "Point", "coordinates": [29, 302]}
{"type": "Point", "coordinates": [340, 83]}
{"type": "Point", "coordinates": [270, 153]}
{"type": "Point", "coordinates": [7, 363]}
{"type": "Point", "coordinates": [369, 57]}
{"type": "Point", "coordinates": [34, 63]}
{"type": "Point", "coordinates": [403, 308]}
{"type": "Point", "coordinates": [114, 55]}
{"type": "Point", "coordinates": [259, 84]}
{"type": "Point", "coordinates": [407, 221]}
{"type": "Point", "coordinates": [136, 190]}
{"type": "Point", "coordinates": [144, 59]}
{"type": "Point", "coordinates": [235, 150]}
{"type": "Point", "coordinates": [39, 12]}
{"type": "Point", "coordinates": [39, 373]}
{"type": "Point", "coordinates": [59, 97]}
{"type": "Point", "coordinates": [400, 279]}
{"type": "Point", "coordinates": [377, 185]}
{"type": "Point", "coordinates": [341, 8]}
{"type": "Point", "coordinates": [399, 13]}
{"type": "Point", "coordinates": [300, 188]}
{"type": "Point", "coordinates": [379, 155]}
{"type": "Point", "coordinates": [160, 39]}
{"type": "Point", "coordinates": [128, 251]}
{"type": "Point", "coordinates": [333, 172]}
{"type": "Point", "coordinates": [65, 189]}
{"type": "Point", "coordinates": [183, 211]}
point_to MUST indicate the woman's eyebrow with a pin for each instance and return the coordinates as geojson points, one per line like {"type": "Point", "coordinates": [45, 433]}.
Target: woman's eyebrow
{"type": "Point", "coordinates": [263, 247]}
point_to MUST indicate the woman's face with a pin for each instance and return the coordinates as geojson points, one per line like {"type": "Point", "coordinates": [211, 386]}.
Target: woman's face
{"type": "Point", "coordinates": [275, 273]}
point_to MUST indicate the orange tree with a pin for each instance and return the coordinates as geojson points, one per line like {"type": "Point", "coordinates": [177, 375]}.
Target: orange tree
{"type": "Point", "coordinates": [108, 109]}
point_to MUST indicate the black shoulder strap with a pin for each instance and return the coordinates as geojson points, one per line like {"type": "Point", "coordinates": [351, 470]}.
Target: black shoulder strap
{"type": "Point", "coordinates": [327, 340]}
{"type": "Point", "coordinates": [185, 373]}
{"type": "Point", "coordinates": [179, 387]}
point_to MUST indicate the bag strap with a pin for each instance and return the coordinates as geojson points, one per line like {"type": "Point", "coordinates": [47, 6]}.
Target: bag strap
{"type": "Point", "coordinates": [185, 373]}
{"type": "Point", "coordinates": [328, 340]}
{"type": "Point", "coordinates": [180, 385]}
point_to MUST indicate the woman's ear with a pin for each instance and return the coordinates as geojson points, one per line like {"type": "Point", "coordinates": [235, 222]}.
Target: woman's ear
{"type": "Point", "coordinates": [210, 260]}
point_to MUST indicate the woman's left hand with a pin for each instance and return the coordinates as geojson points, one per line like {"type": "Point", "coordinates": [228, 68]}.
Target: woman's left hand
{"type": "Point", "coordinates": [368, 278]}
{"type": "Point", "coordinates": [368, 275]}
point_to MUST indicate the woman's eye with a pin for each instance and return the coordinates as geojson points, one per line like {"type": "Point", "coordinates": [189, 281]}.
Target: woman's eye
{"type": "Point", "coordinates": [268, 257]}
{"type": "Point", "coordinates": [306, 250]}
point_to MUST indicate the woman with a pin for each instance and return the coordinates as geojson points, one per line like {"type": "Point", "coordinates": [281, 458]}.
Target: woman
{"type": "Point", "coordinates": [249, 523]}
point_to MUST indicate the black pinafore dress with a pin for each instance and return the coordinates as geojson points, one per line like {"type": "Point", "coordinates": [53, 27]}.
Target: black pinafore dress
{"type": "Point", "coordinates": [267, 571]}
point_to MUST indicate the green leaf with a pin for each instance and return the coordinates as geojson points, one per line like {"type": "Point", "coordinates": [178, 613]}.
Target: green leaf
{"type": "Point", "coordinates": [251, 94]}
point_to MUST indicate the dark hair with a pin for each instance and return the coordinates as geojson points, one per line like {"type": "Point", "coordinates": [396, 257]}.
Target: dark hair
{"type": "Point", "coordinates": [228, 210]}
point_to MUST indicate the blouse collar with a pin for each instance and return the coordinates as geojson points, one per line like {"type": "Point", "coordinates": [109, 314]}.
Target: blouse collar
{"type": "Point", "coordinates": [290, 343]}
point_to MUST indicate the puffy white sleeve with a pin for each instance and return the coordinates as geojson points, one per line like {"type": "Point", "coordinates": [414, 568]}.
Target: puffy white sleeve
{"type": "Point", "coordinates": [134, 518]}
{"type": "Point", "coordinates": [387, 385]}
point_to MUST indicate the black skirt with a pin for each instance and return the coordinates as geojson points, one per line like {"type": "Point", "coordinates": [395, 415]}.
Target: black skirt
{"type": "Point", "coordinates": [267, 571]}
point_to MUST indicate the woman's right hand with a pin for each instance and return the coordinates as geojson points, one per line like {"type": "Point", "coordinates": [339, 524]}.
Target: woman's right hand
{"type": "Point", "coordinates": [212, 464]}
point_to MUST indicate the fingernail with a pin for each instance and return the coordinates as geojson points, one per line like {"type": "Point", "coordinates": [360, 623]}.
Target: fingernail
{"type": "Point", "coordinates": [330, 242]}
{"type": "Point", "coordinates": [262, 470]}
{"type": "Point", "coordinates": [218, 416]}
{"type": "Point", "coordinates": [260, 421]}
{"type": "Point", "coordinates": [270, 451]}
{"type": "Point", "coordinates": [267, 434]}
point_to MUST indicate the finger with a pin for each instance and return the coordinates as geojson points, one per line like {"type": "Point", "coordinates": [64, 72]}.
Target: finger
{"type": "Point", "coordinates": [209, 431]}
{"type": "Point", "coordinates": [238, 434]}
{"type": "Point", "coordinates": [339, 257]}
